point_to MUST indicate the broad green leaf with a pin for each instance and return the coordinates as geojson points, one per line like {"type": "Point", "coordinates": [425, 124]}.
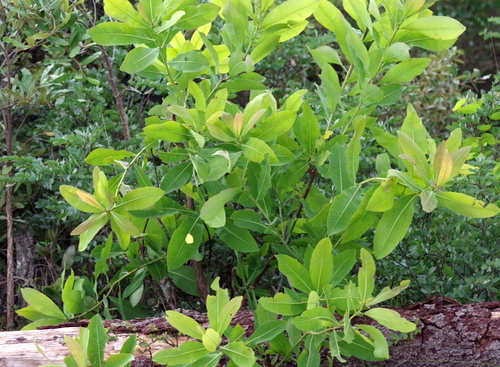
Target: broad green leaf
{"type": "Point", "coordinates": [123, 223]}
{"type": "Point", "coordinates": [306, 129]}
{"type": "Point", "coordinates": [309, 358]}
{"type": "Point", "coordinates": [459, 157]}
{"type": "Point", "coordinates": [361, 221]}
{"type": "Point", "coordinates": [379, 342]}
{"type": "Point", "coordinates": [359, 348]}
{"type": "Point", "coordinates": [119, 360]}
{"type": "Point", "coordinates": [210, 360]}
{"type": "Point", "coordinates": [124, 11]}
{"type": "Point", "coordinates": [213, 212]}
{"type": "Point", "coordinates": [443, 165]}
{"type": "Point", "coordinates": [388, 293]}
{"type": "Point", "coordinates": [283, 304]}
{"type": "Point", "coordinates": [393, 226]}
{"type": "Point", "coordinates": [241, 355]}
{"type": "Point", "coordinates": [386, 140]}
{"type": "Point", "coordinates": [315, 319]}
{"type": "Point", "coordinates": [337, 169]}
{"type": "Point", "coordinates": [417, 39]}
{"type": "Point", "coordinates": [177, 177]}
{"type": "Point", "coordinates": [215, 305]}
{"type": "Point", "coordinates": [141, 198]}
{"type": "Point", "coordinates": [184, 242]}
{"type": "Point", "coordinates": [290, 11]}
{"type": "Point", "coordinates": [77, 353]}
{"type": "Point", "coordinates": [237, 238]}
{"type": "Point", "coordinates": [266, 332]}
{"type": "Point", "coordinates": [405, 71]}
{"type": "Point", "coordinates": [227, 313]}
{"type": "Point", "coordinates": [413, 127]}
{"type": "Point", "coordinates": [41, 322]}
{"type": "Point", "coordinates": [428, 200]}
{"type": "Point", "coordinates": [437, 27]}
{"type": "Point", "coordinates": [342, 209]}
{"type": "Point", "coordinates": [255, 150]}
{"type": "Point", "coordinates": [259, 178]}
{"type": "Point", "coordinates": [211, 340]}
{"type": "Point", "coordinates": [197, 16]}
{"type": "Point", "coordinates": [353, 151]}
{"type": "Point", "coordinates": [409, 147]}
{"type": "Point", "coordinates": [98, 339]}
{"type": "Point", "coordinates": [184, 278]}
{"type": "Point", "coordinates": [321, 265]}
{"type": "Point", "coordinates": [390, 319]}
{"type": "Point", "coordinates": [370, 94]}
{"type": "Point", "coordinates": [454, 141]}
{"type": "Point", "coordinates": [466, 205]}
{"type": "Point", "coordinates": [170, 131]}
{"type": "Point", "coordinates": [80, 199]}
{"type": "Point", "coordinates": [185, 324]}
{"type": "Point", "coordinates": [102, 156]}
{"type": "Point", "coordinates": [342, 265]}
{"type": "Point", "coordinates": [357, 10]}
{"type": "Point", "coordinates": [403, 176]}
{"type": "Point", "coordinates": [189, 62]}
{"type": "Point", "coordinates": [91, 226]}
{"type": "Point", "coordinates": [398, 51]}
{"type": "Point", "coordinates": [276, 125]}
{"type": "Point", "coordinates": [296, 273]}
{"type": "Point", "coordinates": [39, 302]}
{"type": "Point", "coordinates": [331, 84]}
{"type": "Point", "coordinates": [366, 275]}
{"type": "Point", "coordinates": [264, 48]}
{"type": "Point", "coordinates": [186, 353]}
{"type": "Point", "coordinates": [382, 198]}
{"type": "Point", "coordinates": [249, 219]}
{"type": "Point", "coordinates": [139, 59]}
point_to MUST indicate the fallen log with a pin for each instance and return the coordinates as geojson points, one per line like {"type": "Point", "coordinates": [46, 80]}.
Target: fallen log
{"type": "Point", "coordinates": [451, 335]}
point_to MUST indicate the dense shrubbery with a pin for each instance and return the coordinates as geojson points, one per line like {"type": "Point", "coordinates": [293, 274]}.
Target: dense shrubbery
{"type": "Point", "coordinates": [263, 189]}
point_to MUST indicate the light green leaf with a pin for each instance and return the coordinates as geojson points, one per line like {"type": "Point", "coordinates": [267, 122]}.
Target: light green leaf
{"type": "Point", "coordinates": [366, 275]}
{"type": "Point", "coordinates": [241, 355]}
{"type": "Point", "coordinates": [98, 338]}
{"type": "Point", "coordinates": [124, 11]}
{"type": "Point", "coordinates": [139, 59]}
{"type": "Point", "coordinates": [409, 147]}
{"type": "Point", "coordinates": [306, 129]}
{"type": "Point", "coordinates": [290, 11]}
{"type": "Point", "coordinates": [337, 169]}
{"type": "Point", "coordinates": [413, 127]}
{"type": "Point", "coordinates": [80, 199]}
{"type": "Point", "coordinates": [459, 157]}
{"type": "Point", "coordinates": [379, 342]}
{"type": "Point", "coordinates": [466, 205]}
{"type": "Point", "coordinates": [227, 313]}
{"type": "Point", "coordinates": [119, 360]}
{"type": "Point", "coordinates": [321, 265]}
{"type": "Point", "coordinates": [283, 304]}
{"type": "Point", "coordinates": [188, 352]}
{"type": "Point", "coordinates": [386, 140]}
{"type": "Point", "coordinates": [403, 176]}
{"type": "Point", "coordinates": [390, 319]}
{"type": "Point", "coordinates": [342, 265]}
{"type": "Point", "coordinates": [249, 219]}
{"type": "Point", "coordinates": [388, 293]}
{"type": "Point", "coordinates": [405, 71]}
{"type": "Point", "coordinates": [255, 149]}
{"type": "Point", "coordinates": [197, 16]}
{"type": "Point", "coordinates": [211, 340]}
{"type": "Point", "coordinates": [342, 209]}
{"type": "Point", "coordinates": [393, 226]}
{"type": "Point", "coordinates": [398, 51]}
{"type": "Point", "coordinates": [428, 200]}
{"type": "Point", "coordinates": [124, 224]}
{"type": "Point", "coordinates": [117, 34]}
{"type": "Point", "coordinates": [276, 125]}
{"type": "Point", "coordinates": [140, 198]}
{"type": "Point", "coordinates": [189, 62]}
{"type": "Point", "coordinates": [102, 156]}
{"type": "Point", "coordinates": [185, 324]}
{"type": "Point", "coordinates": [353, 151]}
{"type": "Point", "coordinates": [94, 223]}
{"type": "Point", "coordinates": [382, 198]}
{"type": "Point", "coordinates": [437, 27]}
{"type": "Point", "coordinates": [42, 304]}
{"type": "Point", "coordinates": [361, 221]}
{"type": "Point", "coordinates": [236, 238]}
{"type": "Point", "coordinates": [170, 131]}
{"type": "Point", "coordinates": [296, 273]}
{"type": "Point", "coordinates": [212, 212]}
{"type": "Point", "coordinates": [77, 353]}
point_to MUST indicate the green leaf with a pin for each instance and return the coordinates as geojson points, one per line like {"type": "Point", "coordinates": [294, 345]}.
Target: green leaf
{"type": "Point", "coordinates": [290, 11]}
{"type": "Point", "coordinates": [211, 340]}
{"type": "Point", "coordinates": [227, 313]}
{"type": "Point", "coordinates": [139, 59]}
{"type": "Point", "coordinates": [342, 265]}
{"type": "Point", "coordinates": [309, 358]}
{"type": "Point", "coordinates": [405, 71]}
{"type": "Point", "coordinates": [124, 11]}
{"type": "Point", "coordinates": [255, 150]}
{"type": "Point", "coordinates": [185, 278]}
{"type": "Point", "coordinates": [188, 352]}
{"type": "Point", "coordinates": [398, 51]}
{"type": "Point", "coordinates": [177, 177]}
{"type": "Point", "coordinates": [379, 342]}
{"type": "Point", "coordinates": [236, 238]}
{"type": "Point", "coordinates": [185, 324]}
{"type": "Point", "coordinates": [119, 360]}
{"type": "Point", "coordinates": [41, 303]}
{"type": "Point", "coordinates": [249, 219]}
{"type": "Point", "coordinates": [283, 304]}
{"type": "Point", "coordinates": [366, 275]}
{"type": "Point", "coordinates": [306, 129]}
{"type": "Point", "coordinates": [321, 265]}
{"type": "Point", "coordinates": [197, 16]}
{"type": "Point", "coordinates": [266, 332]}
{"type": "Point", "coordinates": [393, 226]}
{"type": "Point", "coordinates": [342, 209]}
{"type": "Point", "coordinates": [413, 127]}
{"type": "Point", "coordinates": [316, 319]}
{"type": "Point", "coordinates": [123, 223]}
{"type": "Point", "coordinates": [361, 221]}
{"type": "Point", "coordinates": [403, 176]}
{"type": "Point", "coordinates": [184, 242]}
{"type": "Point", "coordinates": [437, 27]}
{"type": "Point", "coordinates": [354, 149]}
{"type": "Point", "coordinates": [141, 198]}
{"type": "Point", "coordinates": [189, 62]}
{"type": "Point", "coordinates": [390, 319]}
{"type": "Point", "coordinates": [382, 198]}
{"type": "Point", "coordinates": [241, 355]}
{"type": "Point", "coordinates": [428, 200]}
{"type": "Point", "coordinates": [337, 169]}
{"type": "Point", "coordinates": [77, 353]}
{"type": "Point", "coordinates": [80, 199]}
{"type": "Point", "coordinates": [296, 273]}
{"type": "Point", "coordinates": [98, 338]}
{"type": "Point", "coordinates": [276, 125]}
{"type": "Point", "coordinates": [213, 212]}
{"type": "Point", "coordinates": [388, 293]}
{"type": "Point", "coordinates": [386, 140]}
{"type": "Point", "coordinates": [409, 147]}
{"type": "Point", "coordinates": [466, 205]}
{"type": "Point", "coordinates": [103, 157]}
{"type": "Point", "coordinates": [170, 131]}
